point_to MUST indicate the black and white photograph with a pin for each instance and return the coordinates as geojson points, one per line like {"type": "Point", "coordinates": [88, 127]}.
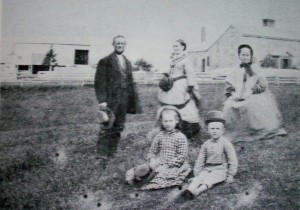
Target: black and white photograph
{"type": "Point", "coordinates": [149, 105]}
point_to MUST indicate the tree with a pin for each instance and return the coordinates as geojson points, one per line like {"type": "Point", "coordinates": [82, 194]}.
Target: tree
{"type": "Point", "coordinates": [50, 59]}
{"type": "Point", "coordinates": [268, 62]}
{"type": "Point", "coordinates": [142, 64]}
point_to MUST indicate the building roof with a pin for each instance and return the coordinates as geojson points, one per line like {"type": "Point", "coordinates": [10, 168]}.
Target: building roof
{"type": "Point", "coordinates": [256, 32]}
{"type": "Point", "coordinates": [270, 33]}
{"type": "Point", "coordinates": [54, 44]}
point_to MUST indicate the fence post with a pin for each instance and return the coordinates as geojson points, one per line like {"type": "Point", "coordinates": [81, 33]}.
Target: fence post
{"type": "Point", "coordinates": [277, 80]}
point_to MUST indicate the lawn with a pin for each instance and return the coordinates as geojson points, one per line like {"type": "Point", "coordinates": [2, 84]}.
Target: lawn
{"type": "Point", "coordinates": [47, 160]}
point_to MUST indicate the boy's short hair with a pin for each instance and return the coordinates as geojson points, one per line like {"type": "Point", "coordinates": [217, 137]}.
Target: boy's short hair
{"type": "Point", "coordinates": [215, 116]}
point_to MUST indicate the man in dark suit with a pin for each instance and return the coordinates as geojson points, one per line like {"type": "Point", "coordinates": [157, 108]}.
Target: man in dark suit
{"type": "Point", "coordinates": [115, 91]}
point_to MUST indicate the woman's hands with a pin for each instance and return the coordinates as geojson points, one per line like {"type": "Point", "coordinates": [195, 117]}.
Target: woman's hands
{"type": "Point", "coordinates": [240, 97]}
{"type": "Point", "coordinates": [245, 95]}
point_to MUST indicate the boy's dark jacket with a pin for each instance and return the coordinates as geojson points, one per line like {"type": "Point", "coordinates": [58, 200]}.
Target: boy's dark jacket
{"type": "Point", "coordinates": [110, 80]}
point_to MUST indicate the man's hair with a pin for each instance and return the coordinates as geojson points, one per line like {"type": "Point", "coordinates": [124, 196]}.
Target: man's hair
{"type": "Point", "coordinates": [118, 36]}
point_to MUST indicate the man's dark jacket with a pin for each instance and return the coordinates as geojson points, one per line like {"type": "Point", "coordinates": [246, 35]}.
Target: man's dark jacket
{"type": "Point", "coordinates": [110, 79]}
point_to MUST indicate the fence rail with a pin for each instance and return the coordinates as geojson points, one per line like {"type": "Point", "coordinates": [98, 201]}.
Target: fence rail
{"type": "Point", "coordinates": [79, 78]}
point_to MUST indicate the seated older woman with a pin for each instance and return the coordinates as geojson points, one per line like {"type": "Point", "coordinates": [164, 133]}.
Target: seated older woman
{"type": "Point", "coordinates": [250, 101]}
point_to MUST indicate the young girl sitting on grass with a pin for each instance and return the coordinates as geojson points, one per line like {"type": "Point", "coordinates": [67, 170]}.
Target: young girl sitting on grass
{"type": "Point", "coordinates": [167, 158]}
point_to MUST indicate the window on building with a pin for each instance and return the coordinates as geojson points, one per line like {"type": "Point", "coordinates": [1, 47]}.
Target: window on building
{"type": "Point", "coordinates": [276, 61]}
{"type": "Point", "coordinates": [286, 63]}
{"type": "Point", "coordinates": [207, 61]}
{"type": "Point", "coordinates": [203, 65]}
{"type": "Point", "coordinates": [23, 67]}
{"type": "Point", "coordinates": [81, 57]}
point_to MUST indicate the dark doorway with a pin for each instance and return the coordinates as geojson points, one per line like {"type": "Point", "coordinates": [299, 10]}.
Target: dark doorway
{"type": "Point", "coordinates": [286, 64]}
{"type": "Point", "coordinates": [203, 65]}
{"type": "Point", "coordinates": [37, 68]}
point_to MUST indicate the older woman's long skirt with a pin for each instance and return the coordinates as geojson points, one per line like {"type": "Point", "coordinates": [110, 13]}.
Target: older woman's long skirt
{"type": "Point", "coordinates": [258, 113]}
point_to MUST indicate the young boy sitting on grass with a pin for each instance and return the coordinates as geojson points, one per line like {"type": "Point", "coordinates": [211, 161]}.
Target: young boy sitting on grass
{"type": "Point", "coordinates": [217, 161]}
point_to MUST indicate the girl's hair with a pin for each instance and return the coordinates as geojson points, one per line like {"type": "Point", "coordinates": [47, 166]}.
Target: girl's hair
{"type": "Point", "coordinates": [174, 113]}
{"type": "Point", "coordinates": [182, 43]}
{"type": "Point", "coordinates": [245, 46]}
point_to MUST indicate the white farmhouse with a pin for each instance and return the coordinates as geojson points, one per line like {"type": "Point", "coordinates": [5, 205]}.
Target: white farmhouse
{"type": "Point", "coordinates": [280, 45]}
{"type": "Point", "coordinates": [29, 57]}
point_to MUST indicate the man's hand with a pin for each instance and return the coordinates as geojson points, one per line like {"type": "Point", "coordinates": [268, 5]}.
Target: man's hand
{"type": "Point", "coordinates": [103, 106]}
{"type": "Point", "coordinates": [229, 180]}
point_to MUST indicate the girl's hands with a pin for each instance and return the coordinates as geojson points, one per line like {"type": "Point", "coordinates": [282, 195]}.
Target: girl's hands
{"type": "Point", "coordinates": [153, 162]}
{"type": "Point", "coordinates": [161, 168]}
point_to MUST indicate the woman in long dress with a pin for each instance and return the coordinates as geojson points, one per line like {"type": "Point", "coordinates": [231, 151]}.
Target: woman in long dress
{"type": "Point", "coordinates": [249, 102]}
{"type": "Point", "coordinates": [184, 93]}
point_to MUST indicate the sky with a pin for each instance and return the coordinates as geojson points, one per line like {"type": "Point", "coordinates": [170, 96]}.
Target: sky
{"type": "Point", "coordinates": [150, 27]}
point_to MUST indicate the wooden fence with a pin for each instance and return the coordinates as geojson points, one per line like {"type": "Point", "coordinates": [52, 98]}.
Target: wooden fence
{"type": "Point", "coordinates": [83, 78]}
{"type": "Point", "coordinates": [208, 78]}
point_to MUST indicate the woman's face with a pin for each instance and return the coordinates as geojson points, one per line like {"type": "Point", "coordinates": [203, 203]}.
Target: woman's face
{"type": "Point", "coordinates": [245, 55]}
{"type": "Point", "coordinates": [177, 48]}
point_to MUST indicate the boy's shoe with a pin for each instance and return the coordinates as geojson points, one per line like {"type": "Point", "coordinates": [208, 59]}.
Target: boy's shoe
{"type": "Point", "coordinates": [187, 194]}
{"type": "Point", "coordinates": [102, 160]}
{"type": "Point", "coordinates": [184, 196]}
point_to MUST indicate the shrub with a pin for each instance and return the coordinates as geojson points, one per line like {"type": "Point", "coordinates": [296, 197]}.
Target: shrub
{"type": "Point", "coordinates": [142, 64]}
{"type": "Point", "coordinates": [268, 62]}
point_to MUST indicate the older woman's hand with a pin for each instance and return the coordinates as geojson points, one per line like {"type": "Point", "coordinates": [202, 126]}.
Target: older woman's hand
{"type": "Point", "coordinates": [234, 96]}
{"type": "Point", "coordinates": [246, 95]}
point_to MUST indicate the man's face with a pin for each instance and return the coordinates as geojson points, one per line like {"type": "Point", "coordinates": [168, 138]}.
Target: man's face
{"type": "Point", "coordinates": [215, 129]}
{"type": "Point", "coordinates": [119, 45]}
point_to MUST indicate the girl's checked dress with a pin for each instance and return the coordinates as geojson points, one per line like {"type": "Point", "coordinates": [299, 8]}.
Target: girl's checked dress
{"type": "Point", "coordinates": [171, 148]}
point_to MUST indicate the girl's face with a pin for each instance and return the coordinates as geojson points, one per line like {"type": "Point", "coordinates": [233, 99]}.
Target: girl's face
{"type": "Point", "coordinates": [169, 121]}
{"type": "Point", "coordinates": [245, 55]}
{"type": "Point", "coordinates": [215, 129]}
{"type": "Point", "coordinates": [177, 48]}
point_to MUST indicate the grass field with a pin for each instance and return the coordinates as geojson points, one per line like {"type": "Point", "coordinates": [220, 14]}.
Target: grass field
{"type": "Point", "coordinates": [47, 160]}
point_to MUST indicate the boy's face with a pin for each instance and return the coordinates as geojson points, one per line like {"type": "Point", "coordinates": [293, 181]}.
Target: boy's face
{"type": "Point", "coordinates": [169, 121]}
{"type": "Point", "coordinates": [215, 129]}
